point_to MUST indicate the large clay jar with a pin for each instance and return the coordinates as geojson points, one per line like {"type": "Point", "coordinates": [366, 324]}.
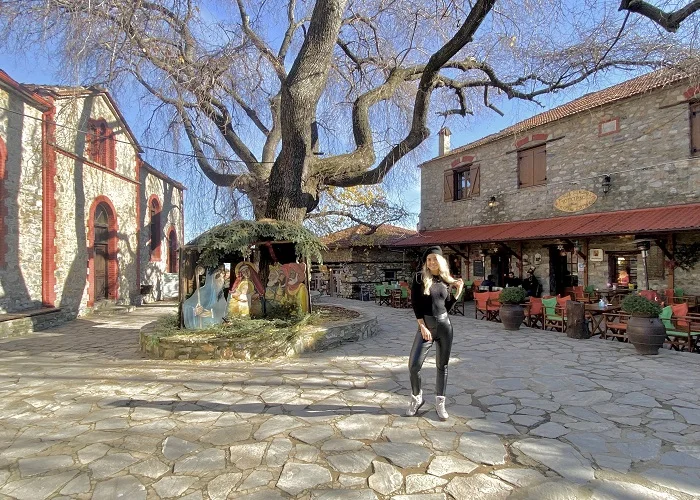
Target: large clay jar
{"type": "Point", "coordinates": [512, 316]}
{"type": "Point", "coordinates": [646, 334]}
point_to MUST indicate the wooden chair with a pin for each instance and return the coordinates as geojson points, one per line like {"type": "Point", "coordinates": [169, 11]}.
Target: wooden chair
{"type": "Point", "coordinates": [405, 296]}
{"type": "Point", "coordinates": [482, 306]}
{"type": "Point", "coordinates": [381, 294]}
{"type": "Point", "coordinates": [682, 328]}
{"type": "Point", "coordinates": [649, 294]}
{"type": "Point", "coordinates": [458, 307]}
{"type": "Point", "coordinates": [553, 318]}
{"type": "Point", "coordinates": [395, 298]}
{"type": "Point", "coordinates": [581, 296]}
{"type": "Point", "coordinates": [616, 326]}
{"type": "Point", "coordinates": [468, 290]}
{"type": "Point", "coordinates": [495, 305]}
{"type": "Point", "coordinates": [534, 315]}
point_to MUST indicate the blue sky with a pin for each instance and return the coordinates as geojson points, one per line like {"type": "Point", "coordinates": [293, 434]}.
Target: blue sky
{"type": "Point", "coordinates": [37, 68]}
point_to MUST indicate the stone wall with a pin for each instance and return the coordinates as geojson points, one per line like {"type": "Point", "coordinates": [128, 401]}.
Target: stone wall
{"type": "Point", "coordinates": [21, 205]}
{"type": "Point", "coordinates": [367, 266]}
{"type": "Point", "coordinates": [154, 270]}
{"type": "Point", "coordinates": [78, 186]}
{"type": "Point", "coordinates": [653, 133]}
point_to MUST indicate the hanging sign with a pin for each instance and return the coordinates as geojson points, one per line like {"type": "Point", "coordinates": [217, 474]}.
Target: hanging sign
{"type": "Point", "coordinates": [575, 201]}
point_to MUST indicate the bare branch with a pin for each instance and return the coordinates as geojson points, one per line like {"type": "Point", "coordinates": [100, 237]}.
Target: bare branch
{"type": "Point", "coordinates": [670, 21]}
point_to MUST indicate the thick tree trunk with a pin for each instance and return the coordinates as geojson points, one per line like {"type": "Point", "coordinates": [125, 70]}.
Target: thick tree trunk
{"type": "Point", "coordinates": [292, 190]}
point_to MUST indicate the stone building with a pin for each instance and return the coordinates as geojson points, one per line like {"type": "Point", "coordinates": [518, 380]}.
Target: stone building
{"type": "Point", "coordinates": [84, 220]}
{"type": "Point", "coordinates": [578, 192]}
{"type": "Point", "coordinates": [356, 261]}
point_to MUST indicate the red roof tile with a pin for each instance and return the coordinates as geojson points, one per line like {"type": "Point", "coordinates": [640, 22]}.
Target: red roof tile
{"type": "Point", "coordinates": [635, 86]}
{"type": "Point", "coordinates": [638, 221]}
{"type": "Point", "coordinates": [356, 236]}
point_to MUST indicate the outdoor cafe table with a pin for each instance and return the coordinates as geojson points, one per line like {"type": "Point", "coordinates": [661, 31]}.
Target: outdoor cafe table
{"type": "Point", "coordinates": [596, 313]}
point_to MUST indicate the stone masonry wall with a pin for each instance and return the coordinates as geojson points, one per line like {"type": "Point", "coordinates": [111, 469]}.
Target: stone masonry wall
{"type": "Point", "coordinates": [78, 184]}
{"type": "Point", "coordinates": [153, 272]}
{"type": "Point", "coordinates": [653, 133]}
{"type": "Point", "coordinates": [368, 265]}
{"type": "Point", "coordinates": [20, 276]}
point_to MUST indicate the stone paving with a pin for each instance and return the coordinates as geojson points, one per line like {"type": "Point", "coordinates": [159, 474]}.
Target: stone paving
{"type": "Point", "coordinates": [533, 415]}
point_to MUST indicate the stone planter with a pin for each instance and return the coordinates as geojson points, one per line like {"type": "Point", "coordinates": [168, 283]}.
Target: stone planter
{"type": "Point", "coordinates": [512, 316]}
{"type": "Point", "coordinates": [647, 334]}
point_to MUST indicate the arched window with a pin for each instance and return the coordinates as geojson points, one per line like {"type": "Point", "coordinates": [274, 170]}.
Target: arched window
{"type": "Point", "coordinates": [172, 251]}
{"type": "Point", "coordinates": [100, 143]}
{"type": "Point", "coordinates": [154, 211]}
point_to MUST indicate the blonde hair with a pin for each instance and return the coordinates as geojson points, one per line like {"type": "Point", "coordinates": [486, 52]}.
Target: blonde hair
{"type": "Point", "coordinates": [428, 275]}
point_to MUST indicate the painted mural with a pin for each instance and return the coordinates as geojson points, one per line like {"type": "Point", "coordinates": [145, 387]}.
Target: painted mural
{"type": "Point", "coordinates": [286, 285]}
{"type": "Point", "coordinates": [245, 299]}
{"type": "Point", "coordinates": [207, 305]}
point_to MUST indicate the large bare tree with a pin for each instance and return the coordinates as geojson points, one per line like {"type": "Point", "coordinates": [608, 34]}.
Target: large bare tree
{"type": "Point", "coordinates": [281, 100]}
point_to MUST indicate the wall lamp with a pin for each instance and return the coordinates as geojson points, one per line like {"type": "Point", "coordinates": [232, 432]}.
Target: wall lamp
{"type": "Point", "coordinates": [607, 182]}
{"type": "Point", "coordinates": [484, 252]}
{"type": "Point", "coordinates": [492, 202]}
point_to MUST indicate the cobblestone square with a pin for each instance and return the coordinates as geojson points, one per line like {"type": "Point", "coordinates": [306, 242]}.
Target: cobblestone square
{"type": "Point", "coordinates": [533, 414]}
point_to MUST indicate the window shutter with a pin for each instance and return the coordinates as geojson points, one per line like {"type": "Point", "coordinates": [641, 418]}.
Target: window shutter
{"type": "Point", "coordinates": [449, 186]}
{"type": "Point", "coordinates": [695, 129]}
{"type": "Point", "coordinates": [525, 173]}
{"type": "Point", "coordinates": [475, 179]}
{"type": "Point", "coordinates": [539, 165]}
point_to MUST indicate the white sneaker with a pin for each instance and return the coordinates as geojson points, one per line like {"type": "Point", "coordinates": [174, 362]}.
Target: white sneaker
{"type": "Point", "coordinates": [440, 408]}
{"type": "Point", "coordinates": [415, 404]}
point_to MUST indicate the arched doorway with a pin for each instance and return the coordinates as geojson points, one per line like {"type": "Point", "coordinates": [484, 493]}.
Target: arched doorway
{"type": "Point", "coordinates": [103, 266]}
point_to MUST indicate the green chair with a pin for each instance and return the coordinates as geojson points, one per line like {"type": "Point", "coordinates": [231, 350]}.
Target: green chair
{"type": "Point", "coordinates": [384, 294]}
{"type": "Point", "coordinates": [468, 293]}
{"type": "Point", "coordinates": [677, 339]}
{"type": "Point", "coordinates": [552, 317]}
{"type": "Point", "coordinates": [458, 307]}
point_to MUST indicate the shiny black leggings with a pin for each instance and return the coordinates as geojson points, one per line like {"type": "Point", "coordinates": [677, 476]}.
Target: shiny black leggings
{"type": "Point", "coordinates": [441, 330]}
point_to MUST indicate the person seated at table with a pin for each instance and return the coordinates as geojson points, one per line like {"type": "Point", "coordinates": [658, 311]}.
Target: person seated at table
{"type": "Point", "coordinates": [532, 285]}
{"type": "Point", "coordinates": [489, 282]}
{"type": "Point", "coordinates": [623, 279]}
{"type": "Point", "coordinates": [511, 280]}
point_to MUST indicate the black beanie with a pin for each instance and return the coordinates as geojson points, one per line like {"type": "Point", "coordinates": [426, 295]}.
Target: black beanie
{"type": "Point", "coordinates": [429, 250]}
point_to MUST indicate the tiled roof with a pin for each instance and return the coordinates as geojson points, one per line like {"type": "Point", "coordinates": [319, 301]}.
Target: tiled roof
{"type": "Point", "coordinates": [635, 86]}
{"type": "Point", "coordinates": [639, 221]}
{"type": "Point", "coordinates": [356, 236]}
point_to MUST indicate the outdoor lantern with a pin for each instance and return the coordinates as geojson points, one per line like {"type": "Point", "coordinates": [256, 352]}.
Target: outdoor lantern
{"type": "Point", "coordinates": [484, 252]}
{"type": "Point", "coordinates": [492, 202]}
{"type": "Point", "coordinates": [606, 183]}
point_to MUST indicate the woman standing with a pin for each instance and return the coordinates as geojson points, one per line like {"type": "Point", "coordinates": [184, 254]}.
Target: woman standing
{"type": "Point", "coordinates": [431, 298]}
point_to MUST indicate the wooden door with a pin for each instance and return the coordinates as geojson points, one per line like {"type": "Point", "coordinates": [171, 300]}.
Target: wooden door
{"type": "Point", "coordinates": [101, 284]}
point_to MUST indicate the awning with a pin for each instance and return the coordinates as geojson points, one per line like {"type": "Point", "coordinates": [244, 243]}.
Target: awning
{"type": "Point", "coordinates": [639, 221]}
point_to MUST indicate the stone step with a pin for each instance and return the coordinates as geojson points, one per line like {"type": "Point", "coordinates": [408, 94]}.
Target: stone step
{"type": "Point", "coordinates": [110, 308]}
{"type": "Point", "coordinates": [25, 322]}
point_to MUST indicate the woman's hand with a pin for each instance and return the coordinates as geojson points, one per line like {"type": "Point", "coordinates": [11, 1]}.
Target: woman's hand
{"type": "Point", "coordinates": [425, 333]}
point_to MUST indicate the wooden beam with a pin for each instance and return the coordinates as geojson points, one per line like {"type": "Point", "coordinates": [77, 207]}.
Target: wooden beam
{"type": "Point", "coordinates": [662, 245]}
{"type": "Point", "coordinates": [578, 252]}
{"type": "Point", "coordinates": [511, 252]}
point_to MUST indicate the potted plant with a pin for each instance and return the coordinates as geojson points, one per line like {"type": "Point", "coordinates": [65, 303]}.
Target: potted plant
{"type": "Point", "coordinates": [645, 330]}
{"type": "Point", "coordinates": [512, 312]}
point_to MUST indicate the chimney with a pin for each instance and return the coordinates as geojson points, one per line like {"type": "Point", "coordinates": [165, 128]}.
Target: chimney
{"type": "Point", "coordinates": [444, 141]}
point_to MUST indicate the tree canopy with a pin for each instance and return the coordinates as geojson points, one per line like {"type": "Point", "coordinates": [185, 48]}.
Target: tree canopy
{"type": "Point", "coordinates": [282, 100]}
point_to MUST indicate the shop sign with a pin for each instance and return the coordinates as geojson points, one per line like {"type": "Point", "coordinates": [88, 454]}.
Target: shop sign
{"type": "Point", "coordinates": [596, 255]}
{"type": "Point", "coordinates": [575, 201]}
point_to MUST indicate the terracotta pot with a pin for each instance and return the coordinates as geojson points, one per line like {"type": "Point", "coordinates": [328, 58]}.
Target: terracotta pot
{"type": "Point", "coordinates": [646, 334]}
{"type": "Point", "coordinates": [512, 316]}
